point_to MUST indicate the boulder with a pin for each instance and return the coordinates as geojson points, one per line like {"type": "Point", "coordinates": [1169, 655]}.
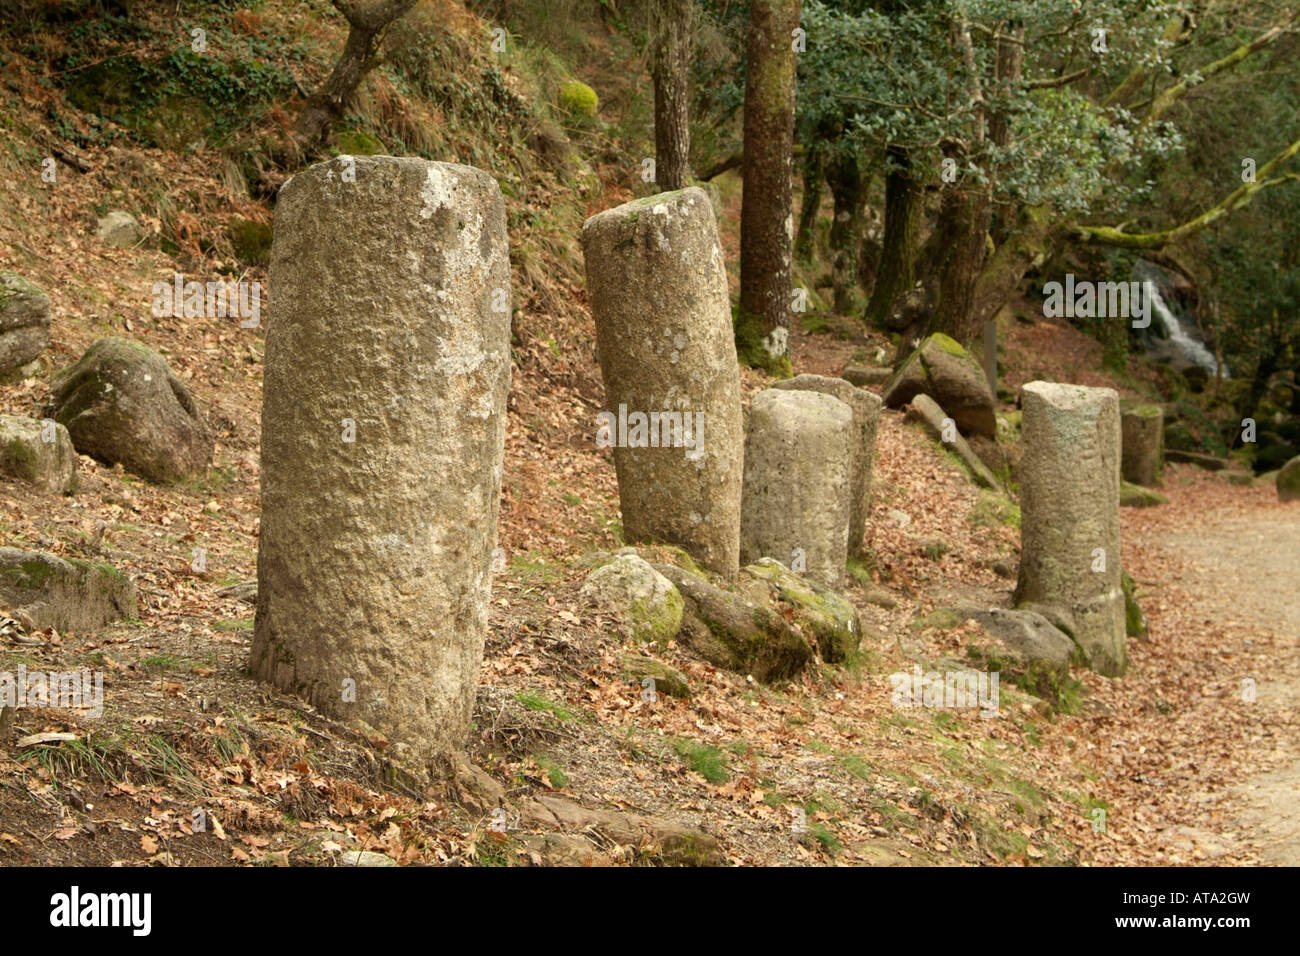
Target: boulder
{"type": "Point", "coordinates": [643, 603]}
{"type": "Point", "coordinates": [119, 229]}
{"type": "Point", "coordinates": [865, 407]}
{"type": "Point", "coordinates": [798, 482]}
{"type": "Point", "coordinates": [667, 354]}
{"type": "Point", "coordinates": [24, 322]}
{"type": "Point", "coordinates": [121, 402]}
{"type": "Point", "coordinates": [1288, 481]}
{"type": "Point", "coordinates": [950, 375]}
{"type": "Point", "coordinates": [830, 620]}
{"type": "Point", "coordinates": [734, 633]}
{"type": "Point", "coordinates": [43, 590]}
{"type": "Point", "coordinates": [26, 454]}
{"type": "Point", "coordinates": [1143, 437]}
{"type": "Point", "coordinates": [1033, 652]}
{"type": "Point", "coordinates": [383, 430]}
{"type": "Point", "coordinates": [926, 410]}
{"type": "Point", "coordinates": [1133, 496]}
{"type": "Point", "coordinates": [1069, 505]}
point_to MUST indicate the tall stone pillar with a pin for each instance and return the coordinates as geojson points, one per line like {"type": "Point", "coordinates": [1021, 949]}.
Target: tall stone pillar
{"type": "Point", "coordinates": [383, 426]}
{"type": "Point", "coordinates": [672, 384]}
{"type": "Point", "coordinates": [1069, 505]}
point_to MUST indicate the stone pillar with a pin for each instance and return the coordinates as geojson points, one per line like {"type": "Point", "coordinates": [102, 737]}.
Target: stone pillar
{"type": "Point", "coordinates": [866, 415]}
{"type": "Point", "coordinates": [1069, 504]}
{"type": "Point", "coordinates": [672, 384]}
{"type": "Point", "coordinates": [798, 478]}
{"type": "Point", "coordinates": [1143, 429]}
{"type": "Point", "coordinates": [383, 426]}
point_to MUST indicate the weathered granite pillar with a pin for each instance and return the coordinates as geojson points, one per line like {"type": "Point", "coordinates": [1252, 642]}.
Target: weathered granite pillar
{"type": "Point", "coordinates": [672, 384]}
{"type": "Point", "coordinates": [1069, 504]}
{"type": "Point", "coordinates": [383, 425]}
{"type": "Point", "coordinates": [798, 480]}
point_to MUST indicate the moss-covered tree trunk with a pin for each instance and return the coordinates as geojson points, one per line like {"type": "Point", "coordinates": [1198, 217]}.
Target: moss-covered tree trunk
{"type": "Point", "coordinates": [904, 213]}
{"type": "Point", "coordinates": [766, 218]}
{"type": "Point", "coordinates": [844, 175]}
{"type": "Point", "coordinates": [671, 75]}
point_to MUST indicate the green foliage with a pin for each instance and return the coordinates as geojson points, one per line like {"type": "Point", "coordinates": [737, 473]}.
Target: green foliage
{"type": "Point", "coordinates": [709, 762]}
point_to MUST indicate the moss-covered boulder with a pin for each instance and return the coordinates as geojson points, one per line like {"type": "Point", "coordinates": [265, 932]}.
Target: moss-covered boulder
{"type": "Point", "coordinates": [579, 100]}
{"type": "Point", "coordinates": [734, 632]}
{"type": "Point", "coordinates": [24, 322]}
{"type": "Point", "coordinates": [823, 615]}
{"type": "Point", "coordinates": [667, 680]}
{"type": "Point", "coordinates": [1288, 481]}
{"type": "Point", "coordinates": [643, 604]}
{"type": "Point", "coordinates": [950, 375]}
{"type": "Point", "coordinates": [121, 402]}
{"type": "Point", "coordinates": [1133, 496]}
{"type": "Point", "coordinates": [39, 453]}
{"type": "Point", "coordinates": [1024, 647]}
{"type": "Point", "coordinates": [43, 590]}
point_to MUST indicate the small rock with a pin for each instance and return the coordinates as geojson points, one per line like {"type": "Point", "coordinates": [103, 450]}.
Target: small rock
{"type": "Point", "coordinates": [667, 680]}
{"type": "Point", "coordinates": [831, 620]}
{"type": "Point", "coordinates": [365, 858]}
{"type": "Point", "coordinates": [119, 229]}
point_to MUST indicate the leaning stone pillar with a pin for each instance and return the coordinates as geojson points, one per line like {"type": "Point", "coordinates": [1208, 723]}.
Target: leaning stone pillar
{"type": "Point", "coordinates": [672, 384]}
{"type": "Point", "coordinates": [383, 425]}
{"type": "Point", "coordinates": [866, 415]}
{"type": "Point", "coordinates": [1069, 503]}
{"type": "Point", "coordinates": [798, 478]}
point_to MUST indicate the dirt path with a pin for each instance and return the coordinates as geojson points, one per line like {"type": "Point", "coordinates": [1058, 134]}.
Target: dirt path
{"type": "Point", "coordinates": [1238, 561]}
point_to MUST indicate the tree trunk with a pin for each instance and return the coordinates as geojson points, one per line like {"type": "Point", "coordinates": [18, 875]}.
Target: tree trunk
{"type": "Point", "coordinates": [956, 253]}
{"type": "Point", "coordinates": [844, 176]}
{"type": "Point", "coordinates": [814, 173]}
{"type": "Point", "coordinates": [904, 209]}
{"type": "Point", "coordinates": [766, 218]}
{"type": "Point", "coordinates": [367, 23]}
{"type": "Point", "coordinates": [671, 76]}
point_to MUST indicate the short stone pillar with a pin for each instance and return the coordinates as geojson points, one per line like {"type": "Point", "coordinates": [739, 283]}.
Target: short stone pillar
{"type": "Point", "coordinates": [1143, 430]}
{"type": "Point", "coordinates": [1069, 504]}
{"type": "Point", "coordinates": [798, 483]}
{"type": "Point", "coordinates": [866, 415]}
{"type": "Point", "coordinates": [383, 426]}
{"type": "Point", "coordinates": [672, 384]}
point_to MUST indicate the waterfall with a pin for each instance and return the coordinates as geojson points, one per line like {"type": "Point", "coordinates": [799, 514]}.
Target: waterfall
{"type": "Point", "coordinates": [1176, 340]}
